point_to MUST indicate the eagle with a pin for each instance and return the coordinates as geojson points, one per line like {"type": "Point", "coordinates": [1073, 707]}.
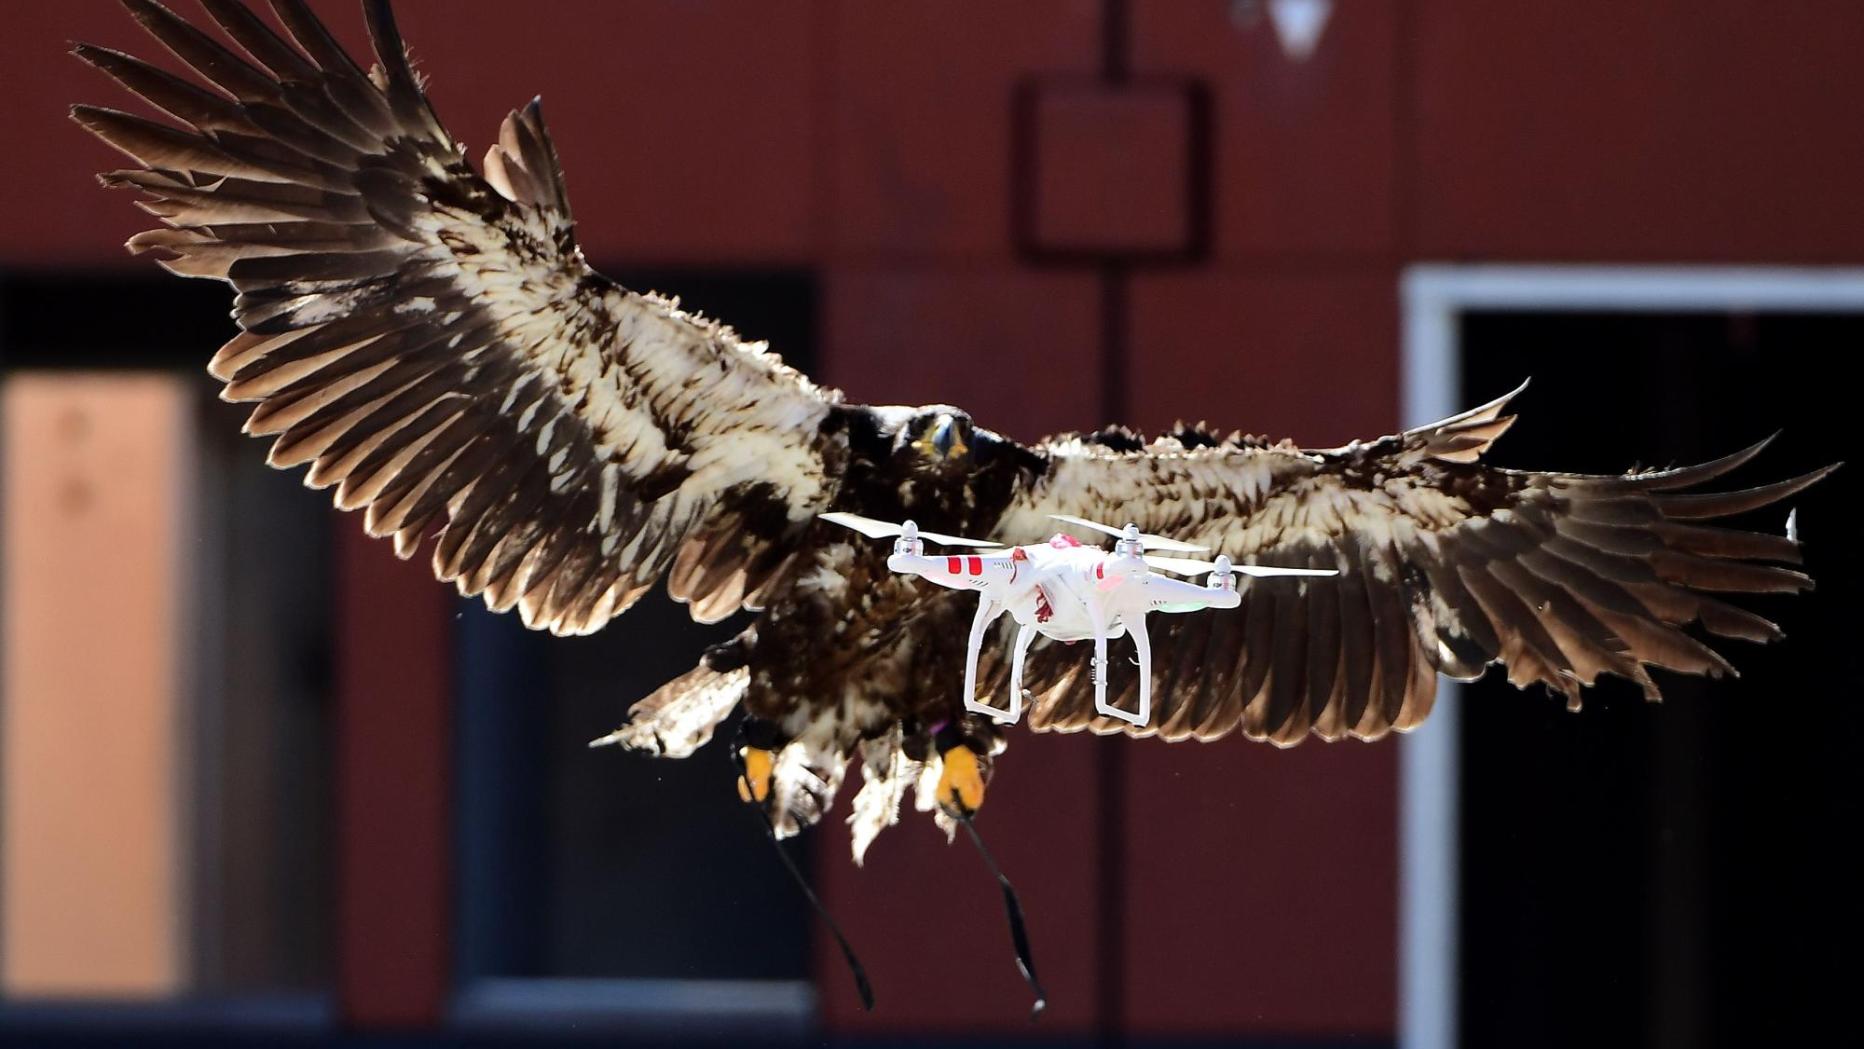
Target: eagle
{"type": "Point", "coordinates": [428, 339]}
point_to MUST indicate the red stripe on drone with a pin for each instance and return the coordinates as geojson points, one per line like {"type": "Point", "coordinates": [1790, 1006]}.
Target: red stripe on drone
{"type": "Point", "coordinates": [976, 565]}
{"type": "Point", "coordinates": [954, 565]}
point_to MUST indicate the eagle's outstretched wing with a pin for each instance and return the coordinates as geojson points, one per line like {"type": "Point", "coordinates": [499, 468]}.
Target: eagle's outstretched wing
{"type": "Point", "coordinates": [433, 343]}
{"type": "Point", "coordinates": [1445, 564]}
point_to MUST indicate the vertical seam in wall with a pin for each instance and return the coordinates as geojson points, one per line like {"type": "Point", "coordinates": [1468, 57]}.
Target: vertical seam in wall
{"type": "Point", "coordinates": [1110, 787]}
{"type": "Point", "coordinates": [1111, 783]}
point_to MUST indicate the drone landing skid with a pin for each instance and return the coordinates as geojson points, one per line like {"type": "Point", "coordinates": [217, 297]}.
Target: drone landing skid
{"type": "Point", "coordinates": [1024, 635]}
{"type": "Point", "coordinates": [988, 610]}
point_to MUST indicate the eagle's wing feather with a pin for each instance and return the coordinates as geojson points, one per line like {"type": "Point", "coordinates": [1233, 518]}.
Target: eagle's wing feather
{"type": "Point", "coordinates": [1446, 565]}
{"type": "Point", "coordinates": [433, 344]}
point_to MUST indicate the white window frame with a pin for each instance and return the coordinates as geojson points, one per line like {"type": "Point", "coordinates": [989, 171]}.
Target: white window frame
{"type": "Point", "coordinates": [1434, 297]}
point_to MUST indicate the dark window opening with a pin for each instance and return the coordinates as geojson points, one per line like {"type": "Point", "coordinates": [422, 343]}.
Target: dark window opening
{"type": "Point", "coordinates": [1673, 874]}
{"type": "Point", "coordinates": [580, 863]}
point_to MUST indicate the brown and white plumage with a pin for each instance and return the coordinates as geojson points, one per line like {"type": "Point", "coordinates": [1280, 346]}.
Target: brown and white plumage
{"type": "Point", "coordinates": [1446, 566]}
{"type": "Point", "coordinates": [431, 343]}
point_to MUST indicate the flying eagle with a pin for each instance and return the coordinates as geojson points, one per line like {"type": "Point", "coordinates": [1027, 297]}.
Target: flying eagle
{"type": "Point", "coordinates": [430, 341]}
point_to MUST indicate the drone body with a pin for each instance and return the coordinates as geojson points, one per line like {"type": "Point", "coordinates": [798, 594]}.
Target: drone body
{"type": "Point", "coordinates": [1067, 592]}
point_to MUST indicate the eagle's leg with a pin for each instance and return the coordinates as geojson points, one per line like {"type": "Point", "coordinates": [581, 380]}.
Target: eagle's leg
{"type": "Point", "coordinates": [791, 778]}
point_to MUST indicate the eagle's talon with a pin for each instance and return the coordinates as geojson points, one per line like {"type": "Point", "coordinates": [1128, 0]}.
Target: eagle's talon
{"type": "Point", "coordinates": [961, 781]}
{"type": "Point", "coordinates": [755, 764]}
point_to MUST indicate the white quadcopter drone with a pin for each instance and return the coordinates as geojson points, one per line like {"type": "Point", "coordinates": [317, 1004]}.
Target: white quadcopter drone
{"type": "Point", "coordinates": [1067, 591]}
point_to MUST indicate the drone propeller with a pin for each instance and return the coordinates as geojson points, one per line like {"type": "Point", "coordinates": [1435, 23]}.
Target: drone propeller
{"type": "Point", "coordinates": [873, 529]}
{"type": "Point", "coordinates": [1193, 566]}
{"type": "Point", "coordinates": [1146, 542]}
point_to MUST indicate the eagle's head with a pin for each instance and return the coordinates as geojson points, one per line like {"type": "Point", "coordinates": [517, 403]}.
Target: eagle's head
{"type": "Point", "coordinates": [932, 464]}
{"type": "Point", "coordinates": [939, 439]}
{"type": "Point", "coordinates": [940, 443]}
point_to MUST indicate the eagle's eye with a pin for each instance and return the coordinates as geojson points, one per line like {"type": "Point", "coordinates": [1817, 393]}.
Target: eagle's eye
{"type": "Point", "coordinates": [944, 439]}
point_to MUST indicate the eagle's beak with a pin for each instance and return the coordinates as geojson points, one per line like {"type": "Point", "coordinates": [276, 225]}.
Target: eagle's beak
{"type": "Point", "coordinates": [947, 440]}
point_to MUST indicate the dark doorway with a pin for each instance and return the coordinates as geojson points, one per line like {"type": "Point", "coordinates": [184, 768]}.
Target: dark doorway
{"type": "Point", "coordinates": [1674, 874]}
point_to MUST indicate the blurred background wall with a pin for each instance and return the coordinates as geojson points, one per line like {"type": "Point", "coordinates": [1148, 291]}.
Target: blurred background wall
{"type": "Point", "coordinates": [261, 778]}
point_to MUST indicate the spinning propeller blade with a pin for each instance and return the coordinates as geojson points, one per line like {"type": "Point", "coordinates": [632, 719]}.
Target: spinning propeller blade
{"type": "Point", "coordinates": [873, 529]}
{"type": "Point", "coordinates": [1193, 566]}
{"type": "Point", "coordinates": [1148, 542]}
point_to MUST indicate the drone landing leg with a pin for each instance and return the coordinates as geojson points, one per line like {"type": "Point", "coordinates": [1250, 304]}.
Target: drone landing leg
{"type": "Point", "coordinates": [1099, 624]}
{"type": "Point", "coordinates": [1024, 634]}
{"type": "Point", "coordinates": [1137, 627]}
{"type": "Point", "coordinates": [987, 610]}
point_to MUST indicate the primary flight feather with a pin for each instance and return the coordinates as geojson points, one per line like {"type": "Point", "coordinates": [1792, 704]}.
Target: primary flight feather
{"type": "Point", "coordinates": [430, 342]}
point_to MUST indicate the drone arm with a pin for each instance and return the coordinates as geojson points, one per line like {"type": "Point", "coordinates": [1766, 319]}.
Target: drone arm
{"type": "Point", "coordinates": [1164, 594]}
{"type": "Point", "coordinates": [932, 568]}
{"type": "Point", "coordinates": [955, 571]}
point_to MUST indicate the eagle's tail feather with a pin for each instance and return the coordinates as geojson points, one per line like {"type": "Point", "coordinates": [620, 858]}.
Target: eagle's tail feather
{"type": "Point", "coordinates": [886, 772]}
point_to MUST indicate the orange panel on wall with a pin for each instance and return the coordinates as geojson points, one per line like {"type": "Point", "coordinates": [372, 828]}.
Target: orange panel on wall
{"type": "Point", "coordinates": [93, 595]}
